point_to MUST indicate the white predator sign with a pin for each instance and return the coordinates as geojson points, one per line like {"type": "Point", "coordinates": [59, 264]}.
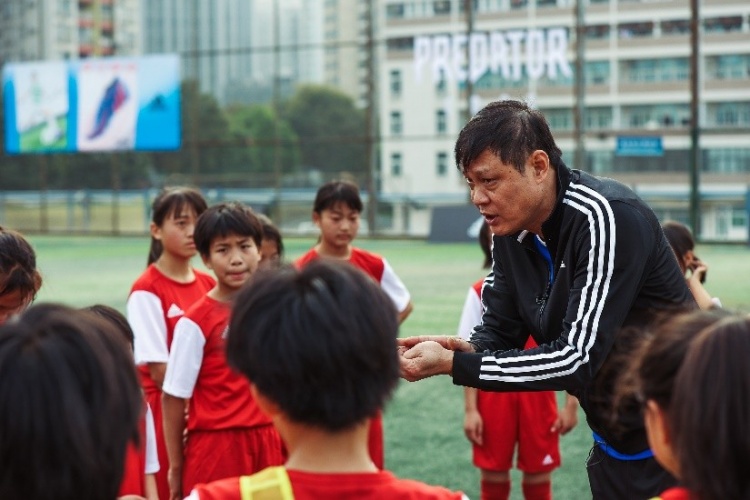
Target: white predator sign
{"type": "Point", "coordinates": [512, 54]}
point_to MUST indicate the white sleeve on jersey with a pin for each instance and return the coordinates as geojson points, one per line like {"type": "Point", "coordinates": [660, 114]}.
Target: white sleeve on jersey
{"type": "Point", "coordinates": [193, 496]}
{"type": "Point", "coordinates": [471, 315]}
{"type": "Point", "coordinates": [185, 359]}
{"type": "Point", "coordinates": [152, 457]}
{"type": "Point", "coordinates": [394, 287]}
{"type": "Point", "coordinates": [146, 318]}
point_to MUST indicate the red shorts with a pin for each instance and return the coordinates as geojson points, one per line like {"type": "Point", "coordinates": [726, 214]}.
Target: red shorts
{"type": "Point", "coordinates": [212, 455]}
{"type": "Point", "coordinates": [518, 417]}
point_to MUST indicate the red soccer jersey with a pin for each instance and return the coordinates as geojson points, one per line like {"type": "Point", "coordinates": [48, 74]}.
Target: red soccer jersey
{"type": "Point", "coordinates": [198, 369]}
{"type": "Point", "coordinates": [370, 263]}
{"type": "Point", "coordinates": [362, 486]}
{"type": "Point", "coordinates": [154, 306]}
{"type": "Point", "coordinates": [134, 477]}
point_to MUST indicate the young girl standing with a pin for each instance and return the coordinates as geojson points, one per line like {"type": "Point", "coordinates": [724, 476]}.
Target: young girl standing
{"type": "Point", "coordinates": [160, 296]}
{"type": "Point", "coordinates": [336, 212]}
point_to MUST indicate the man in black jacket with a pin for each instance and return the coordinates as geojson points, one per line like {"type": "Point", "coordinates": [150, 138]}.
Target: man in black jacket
{"type": "Point", "coordinates": [580, 263]}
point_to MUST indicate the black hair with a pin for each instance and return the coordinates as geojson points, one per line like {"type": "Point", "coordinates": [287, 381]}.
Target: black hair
{"type": "Point", "coordinates": [168, 202]}
{"type": "Point", "coordinates": [116, 318]}
{"type": "Point", "coordinates": [485, 242]}
{"type": "Point", "coordinates": [710, 412]}
{"type": "Point", "coordinates": [680, 239]}
{"type": "Point", "coordinates": [271, 232]}
{"type": "Point", "coordinates": [659, 354]}
{"type": "Point", "coordinates": [509, 129]}
{"type": "Point", "coordinates": [332, 193]}
{"type": "Point", "coordinates": [69, 404]}
{"type": "Point", "coordinates": [223, 219]}
{"type": "Point", "coordinates": [18, 270]}
{"type": "Point", "coordinates": [320, 342]}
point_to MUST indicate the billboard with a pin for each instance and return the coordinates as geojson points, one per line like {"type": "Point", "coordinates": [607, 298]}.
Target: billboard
{"type": "Point", "coordinates": [106, 104]}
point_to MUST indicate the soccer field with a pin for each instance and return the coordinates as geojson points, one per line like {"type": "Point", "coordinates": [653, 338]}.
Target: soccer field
{"type": "Point", "coordinates": [423, 424]}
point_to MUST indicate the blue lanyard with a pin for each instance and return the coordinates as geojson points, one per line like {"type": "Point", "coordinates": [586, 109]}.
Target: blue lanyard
{"type": "Point", "coordinates": [544, 251]}
{"type": "Point", "coordinates": [647, 453]}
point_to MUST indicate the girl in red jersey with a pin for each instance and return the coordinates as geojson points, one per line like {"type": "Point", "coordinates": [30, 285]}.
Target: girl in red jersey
{"type": "Point", "coordinates": [319, 347]}
{"type": "Point", "coordinates": [160, 296]}
{"type": "Point", "coordinates": [498, 422]}
{"type": "Point", "coordinates": [19, 277]}
{"type": "Point", "coordinates": [336, 212]}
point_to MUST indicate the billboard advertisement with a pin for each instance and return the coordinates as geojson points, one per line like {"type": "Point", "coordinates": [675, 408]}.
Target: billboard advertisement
{"type": "Point", "coordinates": [107, 104]}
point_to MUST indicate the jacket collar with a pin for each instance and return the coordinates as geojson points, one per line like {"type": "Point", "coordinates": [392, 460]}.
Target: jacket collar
{"type": "Point", "coordinates": [551, 227]}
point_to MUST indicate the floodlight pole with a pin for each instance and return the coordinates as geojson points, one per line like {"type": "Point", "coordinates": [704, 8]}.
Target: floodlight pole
{"type": "Point", "coordinates": [694, 119]}
{"type": "Point", "coordinates": [371, 120]}
{"type": "Point", "coordinates": [580, 87]}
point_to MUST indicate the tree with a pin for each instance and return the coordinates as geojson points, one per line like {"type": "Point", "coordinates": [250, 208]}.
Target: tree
{"type": "Point", "coordinates": [257, 126]}
{"type": "Point", "coordinates": [330, 128]}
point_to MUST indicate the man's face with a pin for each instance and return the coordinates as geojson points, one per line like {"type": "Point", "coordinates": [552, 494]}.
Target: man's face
{"type": "Point", "coordinates": [508, 200]}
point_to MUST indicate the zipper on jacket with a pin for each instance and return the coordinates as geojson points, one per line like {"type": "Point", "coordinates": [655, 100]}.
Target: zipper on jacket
{"type": "Point", "coordinates": [544, 253]}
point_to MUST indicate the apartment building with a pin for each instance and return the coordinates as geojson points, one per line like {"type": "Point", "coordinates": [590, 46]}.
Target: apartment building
{"type": "Point", "coordinates": [440, 65]}
{"type": "Point", "coordinates": [68, 29]}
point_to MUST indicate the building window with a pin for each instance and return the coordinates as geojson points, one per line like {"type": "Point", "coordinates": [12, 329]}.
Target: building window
{"type": "Point", "coordinates": [441, 7]}
{"type": "Point", "coordinates": [598, 118]}
{"type": "Point", "coordinates": [723, 24]}
{"type": "Point", "coordinates": [559, 119]}
{"type": "Point", "coordinates": [394, 11]}
{"type": "Point", "coordinates": [656, 70]}
{"type": "Point", "coordinates": [597, 72]}
{"type": "Point", "coordinates": [395, 82]}
{"type": "Point", "coordinates": [396, 125]}
{"type": "Point", "coordinates": [730, 67]}
{"type": "Point", "coordinates": [441, 166]}
{"type": "Point", "coordinates": [396, 164]}
{"type": "Point", "coordinates": [597, 32]}
{"type": "Point", "coordinates": [733, 114]}
{"type": "Point", "coordinates": [441, 124]}
{"type": "Point", "coordinates": [728, 160]}
{"type": "Point", "coordinates": [675, 27]}
{"type": "Point", "coordinates": [636, 30]}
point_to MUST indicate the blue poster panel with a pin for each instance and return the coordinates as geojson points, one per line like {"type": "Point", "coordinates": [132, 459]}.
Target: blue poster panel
{"type": "Point", "coordinates": [106, 104]}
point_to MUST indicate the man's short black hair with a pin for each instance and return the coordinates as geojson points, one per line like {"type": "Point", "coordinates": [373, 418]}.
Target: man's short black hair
{"type": "Point", "coordinates": [509, 129]}
{"type": "Point", "coordinates": [70, 401]}
{"type": "Point", "coordinates": [320, 342]}
{"type": "Point", "coordinates": [223, 219]}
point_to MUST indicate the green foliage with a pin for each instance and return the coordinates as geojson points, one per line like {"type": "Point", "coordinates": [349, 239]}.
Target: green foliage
{"type": "Point", "coordinates": [330, 128]}
{"type": "Point", "coordinates": [319, 129]}
{"type": "Point", "coordinates": [256, 127]}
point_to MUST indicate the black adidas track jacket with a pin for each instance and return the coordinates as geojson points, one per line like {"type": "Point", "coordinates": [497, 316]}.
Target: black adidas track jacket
{"type": "Point", "coordinates": [613, 269]}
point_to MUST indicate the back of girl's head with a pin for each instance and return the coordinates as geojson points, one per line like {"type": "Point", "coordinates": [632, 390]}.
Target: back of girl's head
{"type": "Point", "coordinates": [679, 237]}
{"type": "Point", "coordinates": [335, 192]}
{"type": "Point", "coordinates": [69, 404]}
{"type": "Point", "coordinates": [171, 201]}
{"type": "Point", "coordinates": [222, 220]}
{"type": "Point", "coordinates": [116, 318]}
{"type": "Point", "coordinates": [18, 272]}
{"type": "Point", "coordinates": [711, 410]}
{"type": "Point", "coordinates": [330, 332]}
{"type": "Point", "coordinates": [660, 354]}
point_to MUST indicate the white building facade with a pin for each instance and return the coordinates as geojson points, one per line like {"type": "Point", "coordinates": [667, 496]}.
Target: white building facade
{"type": "Point", "coordinates": [435, 71]}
